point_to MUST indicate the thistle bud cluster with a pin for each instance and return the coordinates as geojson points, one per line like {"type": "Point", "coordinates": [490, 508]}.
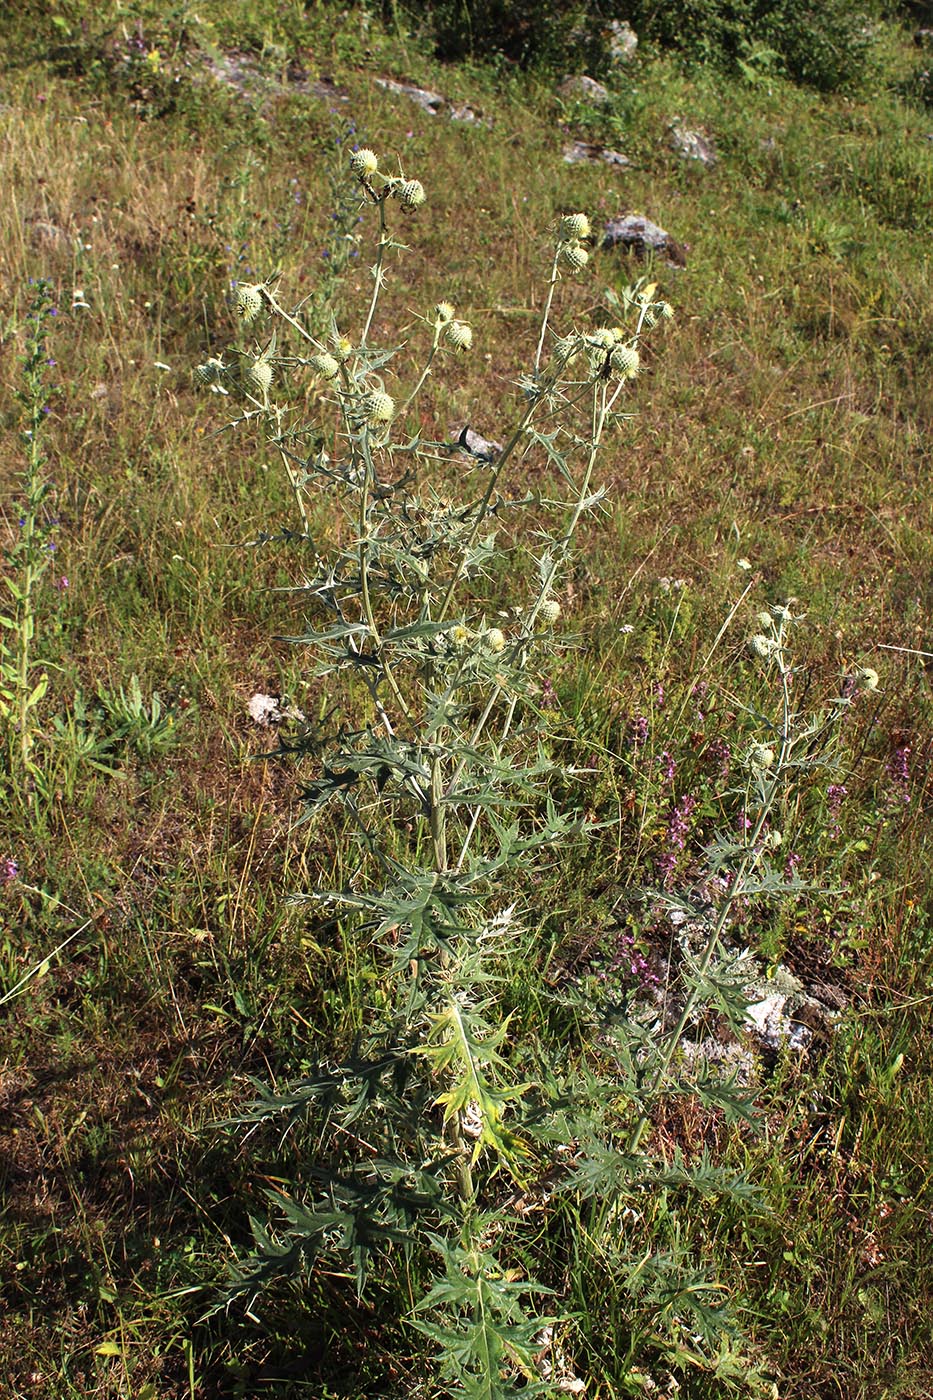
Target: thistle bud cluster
{"type": "Point", "coordinates": [572, 231]}
{"type": "Point", "coordinates": [364, 164]}
{"type": "Point", "coordinates": [609, 355]}
{"type": "Point", "coordinates": [488, 641]}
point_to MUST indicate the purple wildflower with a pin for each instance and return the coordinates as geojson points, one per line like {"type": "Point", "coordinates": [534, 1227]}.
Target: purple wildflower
{"type": "Point", "coordinates": [8, 870]}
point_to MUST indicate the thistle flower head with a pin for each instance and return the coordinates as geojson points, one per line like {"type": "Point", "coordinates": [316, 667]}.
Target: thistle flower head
{"type": "Point", "coordinates": [325, 365]}
{"type": "Point", "coordinates": [249, 302]}
{"type": "Point", "coordinates": [459, 636]}
{"type": "Point", "coordinates": [575, 256]}
{"type": "Point", "coordinates": [494, 640]}
{"type": "Point", "coordinates": [761, 756]}
{"type": "Point", "coordinates": [443, 312]}
{"type": "Point", "coordinates": [212, 372]}
{"type": "Point", "coordinates": [409, 193]}
{"type": "Point", "coordinates": [364, 163]}
{"type": "Point", "coordinates": [458, 335]}
{"type": "Point", "coordinates": [765, 619]}
{"type": "Point", "coordinates": [549, 612]}
{"type": "Point", "coordinates": [343, 348]}
{"type": "Point", "coordinates": [257, 377]}
{"type": "Point", "coordinates": [605, 338]}
{"type": "Point", "coordinates": [574, 227]}
{"type": "Point", "coordinates": [762, 646]}
{"type": "Point", "coordinates": [624, 361]}
{"type": "Point", "coordinates": [377, 409]}
{"type": "Point", "coordinates": [866, 678]}
{"type": "Point", "coordinates": [666, 311]}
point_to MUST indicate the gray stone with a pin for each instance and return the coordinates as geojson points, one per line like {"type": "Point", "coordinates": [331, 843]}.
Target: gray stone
{"type": "Point", "coordinates": [623, 41]}
{"type": "Point", "coordinates": [636, 234]}
{"type": "Point", "coordinates": [431, 102]}
{"type": "Point", "coordinates": [428, 101]}
{"type": "Point", "coordinates": [693, 145]}
{"type": "Point", "coordinates": [578, 152]}
{"type": "Point", "coordinates": [580, 88]}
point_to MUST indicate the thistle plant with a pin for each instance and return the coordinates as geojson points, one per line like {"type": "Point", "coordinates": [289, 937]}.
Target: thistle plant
{"type": "Point", "coordinates": [443, 779]}
{"type": "Point", "coordinates": [23, 681]}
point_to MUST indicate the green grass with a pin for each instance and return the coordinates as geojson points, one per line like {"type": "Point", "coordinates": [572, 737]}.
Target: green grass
{"type": "Point", "coordinates": [784, 419]}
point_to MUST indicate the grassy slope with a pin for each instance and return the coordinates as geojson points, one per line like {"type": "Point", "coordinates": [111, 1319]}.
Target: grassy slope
{"type": "Point", "coordinates": [785, 419]}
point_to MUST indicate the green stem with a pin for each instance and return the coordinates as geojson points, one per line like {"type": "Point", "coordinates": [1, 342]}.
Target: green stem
{"type": "Point", "coordinates": [547, 309]}
{"type": "Point", "coordinates": [378, 273]}
{"type": "Point", "coordinates": [425, 372]}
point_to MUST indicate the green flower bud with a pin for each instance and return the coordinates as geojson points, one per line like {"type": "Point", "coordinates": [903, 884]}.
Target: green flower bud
{"type": "Point", "coordinates": [762, 646]}
{"type": "Point", "coordinates": [378, 408]}
{"type": "Point", "coordinates": [667, 311]}
{"type": "Point", "coordinates": [343, 348]}
{"type": "Point", "coordinates": [364, 163]}
{"type": "Point", "coordinates": [212, 371]}
{"type": "Point", "coordinates": [325, 365]}
{"type": "Point", "coordinates": [761, 756]}
{"type": "Point", "coordinates": [765, 619]}
{"type": "Point", "coordinates": [494, 640]}
{"type": "Point", "coordinates": [866, 678]}
{"type": "Point", "coordinates": [458, 335]}
{"type": "Point", "coordinates": [624, 361]}
{"type": "Point", "coordinates": [257, 377]}
{"type": "Point", "coordinates": [249, 303]}
{"type": "Point", "coordinates": [574, 256]}
{"type": "Point", "coordinates": [549, 612]}
{"type": "Point", "coordinates": [574, 227]}
{"type": "Point", "coordinates": [409, 193]}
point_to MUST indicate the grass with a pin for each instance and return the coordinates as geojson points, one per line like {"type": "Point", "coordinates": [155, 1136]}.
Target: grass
{"type": "Point", "coordinates": [785, 420]}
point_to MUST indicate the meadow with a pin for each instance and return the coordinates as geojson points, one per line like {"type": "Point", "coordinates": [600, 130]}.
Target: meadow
{"type": "Point", "coordinates": [244, 1148]}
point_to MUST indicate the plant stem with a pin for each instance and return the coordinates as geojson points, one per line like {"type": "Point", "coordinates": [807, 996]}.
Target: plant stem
{"type": "Point", "coordinates": [378, 273]}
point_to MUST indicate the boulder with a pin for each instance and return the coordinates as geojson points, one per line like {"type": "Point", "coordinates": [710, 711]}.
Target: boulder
{"type": "Point", "coordinates": [580, 88]}
{"type": "Point", "coordinates": [693, 145]}
{"type": "Point", "coordinates": [622, 41]}
{"type": "Point", "coordinates": [636, 234]}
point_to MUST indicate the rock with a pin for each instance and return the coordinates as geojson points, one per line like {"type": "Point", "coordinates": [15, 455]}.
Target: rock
{"type": "Point", "coordinates": [622, 40]}
{"type": "Point", "coordinates": [580, 88]}
{"type": "Point", "coordinates": [428, 101]}
{"type": "Point", "coordinates": [579, 151]}
{"type": "Point", "coordinates": [693, 145]}
{"type": "Point", "coordinates": [636, 234]}
{"type": "Point", "coordinates": [475, 445]}
{"type": "Point", "coordinates": [431, 102]}
{"type": "Point", "coordinates": [51, 235]}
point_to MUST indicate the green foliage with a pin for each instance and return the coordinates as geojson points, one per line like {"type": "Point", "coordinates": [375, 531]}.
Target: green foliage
{"type": "Point", "coordinates": [143, 725]}
{"type": "Point", "coordinates": [825, 46]}
{"type": "Point", "coordinates": [28, 560]}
